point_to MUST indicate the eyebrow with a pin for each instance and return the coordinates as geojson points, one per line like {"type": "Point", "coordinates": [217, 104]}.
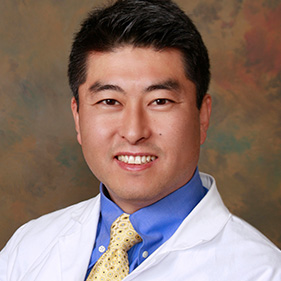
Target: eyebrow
{"type": "Point", "coordinates": [170, 84]}
{"type": "Point", "coordinates": [99, 87]}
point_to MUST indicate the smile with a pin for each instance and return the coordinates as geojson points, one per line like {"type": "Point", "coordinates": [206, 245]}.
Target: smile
{"type": "Point", "coordinates": [137, 160]}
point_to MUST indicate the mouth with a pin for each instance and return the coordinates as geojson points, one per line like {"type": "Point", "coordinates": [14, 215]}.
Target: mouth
{"type": "Point", "coordinates": [136, 160]}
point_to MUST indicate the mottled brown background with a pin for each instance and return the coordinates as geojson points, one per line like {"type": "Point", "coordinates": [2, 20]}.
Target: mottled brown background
{"type": "Point", "coordinates": [41, 165]}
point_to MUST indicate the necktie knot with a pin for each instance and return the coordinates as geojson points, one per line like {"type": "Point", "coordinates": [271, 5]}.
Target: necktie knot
{"type": "Point", "coordinates": [123, 236]}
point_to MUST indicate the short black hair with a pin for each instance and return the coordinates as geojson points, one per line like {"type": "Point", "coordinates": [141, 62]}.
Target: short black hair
{"type": "Point", "coordinates": [141, 23]}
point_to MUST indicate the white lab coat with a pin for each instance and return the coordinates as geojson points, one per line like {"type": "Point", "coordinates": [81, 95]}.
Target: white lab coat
{"type": "Point", "coordinates": [211, 244]}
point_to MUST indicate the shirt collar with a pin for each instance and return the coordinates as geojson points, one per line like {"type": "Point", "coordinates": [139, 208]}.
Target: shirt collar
{"type": "Point", "coordinates": [157, 222]}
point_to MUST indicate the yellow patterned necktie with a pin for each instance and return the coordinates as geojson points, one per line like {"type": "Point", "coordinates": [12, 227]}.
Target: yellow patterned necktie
{"type": "Point", "coordinates": [114, 264]}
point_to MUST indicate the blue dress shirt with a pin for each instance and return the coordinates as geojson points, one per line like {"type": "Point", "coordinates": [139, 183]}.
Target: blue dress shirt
{"type": "Point", "coordinates": [155, 223]}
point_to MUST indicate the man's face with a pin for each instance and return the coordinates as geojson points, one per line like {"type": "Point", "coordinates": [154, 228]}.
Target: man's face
{"type": "Point", "coordinates": [138, 124]}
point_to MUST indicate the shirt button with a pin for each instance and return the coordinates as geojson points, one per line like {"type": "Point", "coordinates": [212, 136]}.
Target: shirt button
{"type": "Point", "coordinates": [145, 254]}
{"type": "Point", "coordinates": [101, 249]}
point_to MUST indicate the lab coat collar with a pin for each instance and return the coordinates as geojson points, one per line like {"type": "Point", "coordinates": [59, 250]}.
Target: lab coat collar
{"type": "Point", "coordinates": [205, 221]}
{"type": "Point", "coordinates": [76, 245]}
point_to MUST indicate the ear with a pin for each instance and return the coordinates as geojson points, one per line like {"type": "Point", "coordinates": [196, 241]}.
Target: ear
{"type": "Point", "coordinates": [75, 113]}
{"type": "Point", "coordinates": [205, 114]}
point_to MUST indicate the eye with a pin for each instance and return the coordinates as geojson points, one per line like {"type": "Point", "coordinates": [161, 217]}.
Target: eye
{"type": "Point", "coordinates": [162, 101]}
{"type": "Point", "coordinates": [109, 102]}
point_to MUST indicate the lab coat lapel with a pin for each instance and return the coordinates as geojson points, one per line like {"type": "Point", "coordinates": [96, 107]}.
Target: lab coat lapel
{"type": "Point", "coordinates": [75, 247]}
{"type": "Point", "coordinates": [201, 225]}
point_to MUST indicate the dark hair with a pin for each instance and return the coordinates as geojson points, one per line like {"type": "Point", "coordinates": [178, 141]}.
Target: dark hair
{"type": "Point", "coordinates": [141, 23]}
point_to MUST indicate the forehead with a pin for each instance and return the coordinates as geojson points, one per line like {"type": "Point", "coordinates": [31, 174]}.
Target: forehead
{"type": "Point", "coordinates": [129, 60]}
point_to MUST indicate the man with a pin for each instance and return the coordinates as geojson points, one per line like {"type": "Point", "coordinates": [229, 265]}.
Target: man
{"type": "Point", "coordinates": [139, 72]}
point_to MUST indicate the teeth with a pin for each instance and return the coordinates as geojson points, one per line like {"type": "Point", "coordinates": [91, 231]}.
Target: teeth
{"type": "Point", "coordinates": [137, 160]}
{"type": "Point", "coordinates": [131, 160]}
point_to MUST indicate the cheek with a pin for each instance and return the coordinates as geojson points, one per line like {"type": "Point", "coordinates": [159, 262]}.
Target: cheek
{"type": "Point", "coordinates": [185, 140]}
{"type": "Point", "coordinates": [95, 147]}
{"type": "Point", "coordinates": [186, 130]}
{"type": "Point", "coordinates": [94, 141]}
{"type": "Point", "coordinates": [94, 130]}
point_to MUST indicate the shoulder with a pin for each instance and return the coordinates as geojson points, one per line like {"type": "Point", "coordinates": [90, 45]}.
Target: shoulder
{"type": "Point", "coordinates": [233, 230]}
{"type": "Point", "coordinates": [247, 239]}
{"type": "Point", "coordinates": [248, 251]}
{"type": "Point", "coordinates": [52, 225]}
{"type": "Point", "coordinates": [38, 242]}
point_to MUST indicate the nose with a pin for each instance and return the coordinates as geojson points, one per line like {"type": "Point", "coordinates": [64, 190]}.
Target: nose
{"type": "Point", "coordinates": [135, 125]}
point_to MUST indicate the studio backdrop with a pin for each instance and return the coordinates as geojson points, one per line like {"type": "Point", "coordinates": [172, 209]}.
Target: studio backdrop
{"type": "Point", "coordinates": [41, 164]}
